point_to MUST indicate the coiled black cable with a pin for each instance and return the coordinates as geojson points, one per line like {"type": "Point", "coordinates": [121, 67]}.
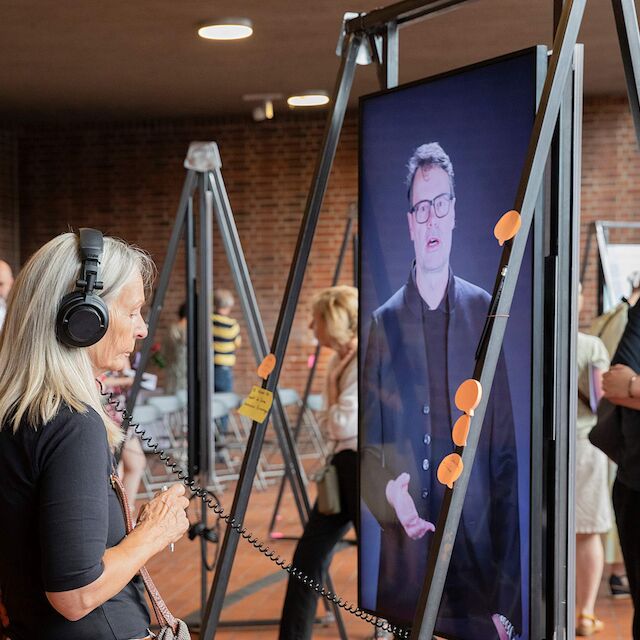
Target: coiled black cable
{"type": "Point", "coordinates": [210, 500]}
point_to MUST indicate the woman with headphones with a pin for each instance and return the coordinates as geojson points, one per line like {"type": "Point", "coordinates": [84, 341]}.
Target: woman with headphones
{"type": "Point", "coordinates": [67, 571]}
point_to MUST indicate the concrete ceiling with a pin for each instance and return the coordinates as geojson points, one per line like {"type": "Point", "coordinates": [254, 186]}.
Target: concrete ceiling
{"type": "Point", "coordinates": [118, 60]}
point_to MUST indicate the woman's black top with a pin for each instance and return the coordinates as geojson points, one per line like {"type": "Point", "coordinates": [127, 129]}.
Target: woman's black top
{"type": "Point", "coordinates": [58, 515]}
{"type": "Point", "coordinates": [628, 352]}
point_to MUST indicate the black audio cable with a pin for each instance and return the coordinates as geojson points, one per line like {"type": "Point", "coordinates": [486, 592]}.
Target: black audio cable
{"type": "Point", "coordinates": [210, 500]}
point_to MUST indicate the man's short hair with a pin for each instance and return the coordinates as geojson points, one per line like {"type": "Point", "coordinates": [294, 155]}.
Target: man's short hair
{"type": "Point", "coordinates": [429, 155]}
{"type": "Point", "coordinates": [222, 299]}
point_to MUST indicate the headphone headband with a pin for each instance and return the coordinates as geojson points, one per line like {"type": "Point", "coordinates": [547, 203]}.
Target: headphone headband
{"type": "Point", "coordinates": [83, 317]}
{"type": "Point", "coordinates": [91, 248]}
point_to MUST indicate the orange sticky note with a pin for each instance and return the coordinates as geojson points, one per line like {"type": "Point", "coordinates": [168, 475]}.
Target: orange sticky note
{"type": "Point", "coordinates": [450, 469]}
{"type": "Point", "coordinates": [266, 366]}
{"type": "Point", "coordinates": [461, 430]}
{"type": "Point", "coordinates": [507, 227]}
{"type": "Point", "coordinates": [468, 396]}
{"type": "Point", "coordinates": [257, 404]}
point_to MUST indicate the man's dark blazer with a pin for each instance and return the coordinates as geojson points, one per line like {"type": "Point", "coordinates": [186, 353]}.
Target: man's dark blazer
{"type": "Point", "coordinates": [397, 436]}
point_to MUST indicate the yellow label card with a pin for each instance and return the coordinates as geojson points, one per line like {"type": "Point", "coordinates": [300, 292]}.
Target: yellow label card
{"type": "Point", "coordinates": [257, 404]}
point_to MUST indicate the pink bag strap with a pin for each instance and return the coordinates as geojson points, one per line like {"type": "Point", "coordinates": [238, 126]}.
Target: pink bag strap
{"type": "Point", "coordinates": [164, 616]}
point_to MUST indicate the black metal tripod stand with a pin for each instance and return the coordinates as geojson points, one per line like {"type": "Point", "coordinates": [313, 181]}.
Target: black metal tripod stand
{"type": "Point", "coordinates": [204, 174]}
{"type": "Point", "coordinates": [307, 390]}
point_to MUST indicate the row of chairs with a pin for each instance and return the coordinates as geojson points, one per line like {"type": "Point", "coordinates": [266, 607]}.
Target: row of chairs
{"type": "Point", "coordinates": [164, 418]}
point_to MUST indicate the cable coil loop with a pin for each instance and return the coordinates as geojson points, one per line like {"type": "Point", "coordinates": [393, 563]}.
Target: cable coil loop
{"type": "Point", "coordinates": [210, 501]}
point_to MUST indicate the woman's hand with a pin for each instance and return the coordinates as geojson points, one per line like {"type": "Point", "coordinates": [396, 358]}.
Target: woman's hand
{"type": "Point", "coordinates": [161, 522]}
{"type": "Point", "coordinates": [164, 518]}
{"type": "Point", "coordinates": [615, 382]}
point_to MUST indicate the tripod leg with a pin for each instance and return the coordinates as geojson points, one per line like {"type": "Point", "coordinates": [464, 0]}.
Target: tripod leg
{"type": "Point", "coordinates": [163, 283]}
{"type": "Point", "coordinates": [629, 40]}
{"type": "Point", "coordinates": [312, 371]}
{"type": "Point", "coordinates": [274, 517]}
{"type": "Point", "coordinates": [257, 334]}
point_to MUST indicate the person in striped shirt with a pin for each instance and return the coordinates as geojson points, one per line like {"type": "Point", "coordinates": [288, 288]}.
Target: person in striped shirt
{"type": "Point", "coordinates": [226, 339]}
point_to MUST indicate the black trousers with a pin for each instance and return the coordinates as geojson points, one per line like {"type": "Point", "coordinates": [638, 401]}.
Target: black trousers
{"type": "Point", "coordinates": [315, 550]}
{"type": "Point", "coordinates": [626, 504]}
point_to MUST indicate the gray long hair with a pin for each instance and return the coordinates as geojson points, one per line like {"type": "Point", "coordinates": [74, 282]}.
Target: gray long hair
{"type": "Point", "coordinates": [37, 372]}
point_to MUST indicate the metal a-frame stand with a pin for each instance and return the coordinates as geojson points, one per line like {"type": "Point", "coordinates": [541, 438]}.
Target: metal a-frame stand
{"type": "Point", "coordinates": [283, 328]}
{"type": "Point", "coordinates": [199, 288]}
{"type": "Point", "coordinates": [627, 28]}
{"type": "Point", "coordinates": [347, 236]}
{"type": "Point", "coordinates": [293, 469]}
{"type": "Point", "coordinates": [600, 230]}
{"type": "Point", "coordinates": [204, 174]}
{"type": "Point", "coordinates": [380, 30]}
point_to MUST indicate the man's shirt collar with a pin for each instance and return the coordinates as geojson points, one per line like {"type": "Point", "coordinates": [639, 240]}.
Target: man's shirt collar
{"type": "Point", "coordinates": [415, 301]}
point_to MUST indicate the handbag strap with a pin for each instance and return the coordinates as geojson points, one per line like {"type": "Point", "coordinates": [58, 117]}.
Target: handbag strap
{"type": "Point", "coordinates": [585, 398]}
{"type": "Point", "coordinates": [164, 616]}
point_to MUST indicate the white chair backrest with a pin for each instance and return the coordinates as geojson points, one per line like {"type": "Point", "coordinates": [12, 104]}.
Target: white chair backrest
{"type": "Point", "coordinates": [145, 414]}
{"type": "Point", "coordinates": [288, 397]}
{"type": "Point", "coordinates": [218, 409]}
{"type": "Point", "coordinates": [228, 399]}
{"type": "Point", "coordinates": [166, 404]}
{"type": "Point", "coordinates": [315, 402]}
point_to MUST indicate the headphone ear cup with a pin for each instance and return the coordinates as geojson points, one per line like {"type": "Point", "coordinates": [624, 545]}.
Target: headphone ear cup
{"type": "Point", "coordinates": [82, 320]}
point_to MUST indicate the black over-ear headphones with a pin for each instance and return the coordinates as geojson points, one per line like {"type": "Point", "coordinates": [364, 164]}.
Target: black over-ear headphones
{"type": "Point", "coordinates": [83, 317]}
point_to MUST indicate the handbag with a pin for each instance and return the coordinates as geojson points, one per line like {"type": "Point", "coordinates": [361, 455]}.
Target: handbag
{"type": "Point", "coordinates": [171, 628]}
{"type": "Point", "coordinates": [607, 434]}
{"type": "Point", "coordinates": [326, 480]}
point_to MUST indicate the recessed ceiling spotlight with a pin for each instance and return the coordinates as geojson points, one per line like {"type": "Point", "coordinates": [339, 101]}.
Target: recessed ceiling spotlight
{"type": "Point", "coordinates": [264, 111]}
{"type": "Point", "coordinates": [226, 29]}
{"type": "Point", "coordinates": [309, 99]}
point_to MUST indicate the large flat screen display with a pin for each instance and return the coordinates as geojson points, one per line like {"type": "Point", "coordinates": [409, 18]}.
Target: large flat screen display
{"type": "Point", "coordinates": [440, 162]}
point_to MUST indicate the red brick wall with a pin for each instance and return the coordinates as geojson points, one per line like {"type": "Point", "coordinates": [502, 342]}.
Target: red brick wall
{"type": "Point", "coordinates": [126, 180]}
{"type": "Point", "coordinates": [9, 244]}
{"type": "Point", "coordinates": [610, 181]}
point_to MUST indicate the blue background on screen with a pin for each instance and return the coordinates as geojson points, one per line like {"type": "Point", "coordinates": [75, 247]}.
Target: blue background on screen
{"type": "Point", "coordinates": [483, 119]}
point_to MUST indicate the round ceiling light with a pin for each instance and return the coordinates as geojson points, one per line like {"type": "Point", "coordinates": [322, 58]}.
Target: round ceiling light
{"type": "Point", "coordinates": [309, 99]}
{"type": "Point", "coordinates": [226, 29]}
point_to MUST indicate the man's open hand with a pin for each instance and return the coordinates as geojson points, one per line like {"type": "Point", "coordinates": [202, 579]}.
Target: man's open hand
{"type": "Point", "coordinates": [397, 494]}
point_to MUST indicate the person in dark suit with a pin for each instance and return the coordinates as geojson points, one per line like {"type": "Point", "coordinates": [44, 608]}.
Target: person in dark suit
{"type": "Point", "coordinates": [421, 346]}
{"type": "Point", "coordinates": [621, 386]}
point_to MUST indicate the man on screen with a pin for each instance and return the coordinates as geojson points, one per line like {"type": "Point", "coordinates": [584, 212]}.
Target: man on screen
{"type": "Point", "coordinates": [421, 346]}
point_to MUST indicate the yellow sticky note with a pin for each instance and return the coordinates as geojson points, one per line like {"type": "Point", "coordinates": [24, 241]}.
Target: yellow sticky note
{"type": "Point", "coordinates": [257, 404]}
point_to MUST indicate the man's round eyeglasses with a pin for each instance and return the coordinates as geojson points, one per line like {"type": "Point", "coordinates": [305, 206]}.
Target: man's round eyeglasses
{"type": "Point", "coordinates": [440, 204]}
